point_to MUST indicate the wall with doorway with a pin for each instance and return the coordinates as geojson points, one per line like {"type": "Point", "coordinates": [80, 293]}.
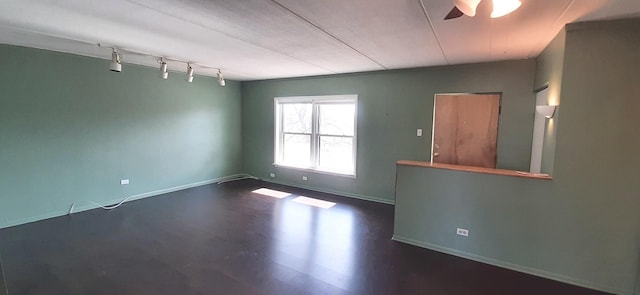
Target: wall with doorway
{"type": "Point", "coordinates": [581, 227]}
{"type": "Point", "coordinates": [391, 106]}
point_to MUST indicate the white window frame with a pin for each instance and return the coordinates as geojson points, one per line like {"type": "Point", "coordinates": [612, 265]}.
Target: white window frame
{"type": "Point", "coordinates": [315, 101]}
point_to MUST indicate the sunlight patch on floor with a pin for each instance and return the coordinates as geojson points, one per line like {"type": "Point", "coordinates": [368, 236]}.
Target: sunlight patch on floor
{"type": "Point", "coordinates": [271, 193]}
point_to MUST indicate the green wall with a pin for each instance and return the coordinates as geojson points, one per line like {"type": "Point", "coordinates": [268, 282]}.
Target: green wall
{"type": "Point", "coordinates": [391, 106]}
{"type": "Point", "coordinates": [549, 65]}
{"type": "Point", "coordinates": [583, 226]}
{"type": "Point", "coordinates": [598, 140]}
{"type": "Point", "coordinates": [70, 130]}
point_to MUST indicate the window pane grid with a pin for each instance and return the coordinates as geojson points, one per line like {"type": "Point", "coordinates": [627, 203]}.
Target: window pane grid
{"type": "Point", "coordinates": [297, 117]}
{"type": "Point", "coordinates": [336, 119]}
{"type": "Point", "coordinates": [335, 153]}
{"type": "Point", "coordinates": [297, 133]}
{"type": "Point", "coordinates": [296, 150]}
{"type": "Point", "coordinates": [334, 135]}
{"type": "Point", "coordinates": [317, 134]}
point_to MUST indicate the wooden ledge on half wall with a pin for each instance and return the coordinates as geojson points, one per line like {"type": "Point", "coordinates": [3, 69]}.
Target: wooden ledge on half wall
{"type": "Point", "coordinates": [476, 169]}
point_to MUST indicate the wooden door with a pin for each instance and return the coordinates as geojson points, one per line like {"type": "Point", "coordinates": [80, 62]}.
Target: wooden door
{"type": "Point", "coordinates": [465, 129]}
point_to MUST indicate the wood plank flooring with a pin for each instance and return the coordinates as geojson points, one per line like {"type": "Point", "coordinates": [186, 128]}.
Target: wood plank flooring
{"type": "Point", "coordinates": [3, 286]}
{"type": "Point", "coordinates": [224, 239]}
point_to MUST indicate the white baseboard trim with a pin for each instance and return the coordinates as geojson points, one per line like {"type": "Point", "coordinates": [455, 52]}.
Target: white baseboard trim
{"type": "Point", "coordinates": [511, 266]}
{"type": "Point", "coordinates": [90, 206]}
{"type": "Point", "coordinates": [356, 196]}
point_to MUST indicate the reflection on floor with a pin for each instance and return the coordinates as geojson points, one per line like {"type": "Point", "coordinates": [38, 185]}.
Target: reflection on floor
{"type": "Point", "coordinates": [314, 202]}
{"type": "Point", "coordinates": [271, 193]}
{"type": "Point", "coordinates": [228, 239]}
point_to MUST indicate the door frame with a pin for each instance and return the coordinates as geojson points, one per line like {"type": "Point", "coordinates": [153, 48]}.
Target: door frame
{"type": "Point", "coordinates": [433, 117]}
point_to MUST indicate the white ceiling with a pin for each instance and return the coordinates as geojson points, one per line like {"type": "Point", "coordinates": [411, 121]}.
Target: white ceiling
{"type": "Point", "coordinates": [262, 39]}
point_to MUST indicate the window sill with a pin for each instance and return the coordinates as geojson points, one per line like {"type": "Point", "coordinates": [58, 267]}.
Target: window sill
{"type": "Point", "coordinates": [315, 171]}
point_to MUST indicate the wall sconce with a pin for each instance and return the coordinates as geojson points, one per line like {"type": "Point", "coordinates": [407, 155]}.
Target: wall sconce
{"type": "Point", "coordinates": [546, 111]}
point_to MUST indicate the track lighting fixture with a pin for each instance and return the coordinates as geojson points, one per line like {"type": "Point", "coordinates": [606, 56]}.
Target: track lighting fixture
{"type": "Point", "coordinates": [189, 73]}
{"type": "Point", "coordinates": [164, 69]}
{"type": "Point", "coordinates": [115, 64]}
{"type": "Point", "coordinates": [221, 81]}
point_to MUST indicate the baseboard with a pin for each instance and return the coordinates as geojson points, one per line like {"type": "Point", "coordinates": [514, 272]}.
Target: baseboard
{"type": "Point", "coordinates": [90, 206]}
{"type": "Point", "coordinates": [356, 196]}
{"type": "Point", "coordinates": [30, 219]}
{"type": "Point", "coordinates": [511, 266]}
{"type": "Point", "coordinates": [637, 292]}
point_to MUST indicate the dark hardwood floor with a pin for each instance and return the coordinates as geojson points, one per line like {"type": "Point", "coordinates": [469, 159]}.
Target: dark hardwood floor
{"type": "Point", "coordinates": [3, 287]}
{"type": "Point", "coordinates": [224, 239]}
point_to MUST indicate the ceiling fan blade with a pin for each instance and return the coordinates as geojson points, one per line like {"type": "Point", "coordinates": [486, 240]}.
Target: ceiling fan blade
{"type": "Point", "coordinates": [454, 13]}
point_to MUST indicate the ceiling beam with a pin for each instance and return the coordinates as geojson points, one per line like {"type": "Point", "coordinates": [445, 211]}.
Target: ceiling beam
{"type": "Point", "coordinates": [327, 33]}
{"type": "Point", "coordinates": [433, 29]}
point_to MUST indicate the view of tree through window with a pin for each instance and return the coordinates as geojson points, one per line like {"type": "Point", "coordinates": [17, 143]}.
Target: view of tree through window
{"type": "Point", "coordinates": [296, 127]}
{"type": "Point", "coordinates": [336, 136]}
{"type": "Point", "coordinates": [317, 133]}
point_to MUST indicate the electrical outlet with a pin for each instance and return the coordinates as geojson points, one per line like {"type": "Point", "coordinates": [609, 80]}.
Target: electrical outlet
{"type": "Point", "coordinates": [304, 178]}
{"type": "Point", "coordinates": [272, 175]}
{"type": "Point", "coordinates": [124, 181]}
{"type": "Point", "coordinates": [419, 132]}
{"type": "Point", "coordinates": [462, 232]}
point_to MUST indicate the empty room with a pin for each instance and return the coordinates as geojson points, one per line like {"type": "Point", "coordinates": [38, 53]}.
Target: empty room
{"type": "Point", "coordinates": [319, 147]}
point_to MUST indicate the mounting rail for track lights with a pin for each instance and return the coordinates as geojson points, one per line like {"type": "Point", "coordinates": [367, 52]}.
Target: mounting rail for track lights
{"type": "Point", "coordinates": [189, 73]}
{"type": "Point", "coordinates": [164, 69]}
{"type": "Point", "coordinates": [221, 81]}
{"type": "Point", "coordinates": [116, 63]}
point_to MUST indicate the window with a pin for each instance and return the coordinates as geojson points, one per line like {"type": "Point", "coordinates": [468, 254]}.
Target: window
{"type": "Point", "coordinates": [316, 133]}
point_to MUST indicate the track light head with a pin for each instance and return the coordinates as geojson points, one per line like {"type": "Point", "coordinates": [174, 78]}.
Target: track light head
{"type": "Point", "coordinates": [189, 73]}
{"type": "Point", "coordinates": [164, 69]}
{"type": "Point", "coordinates": [115, 65]}
{"type": "Point", "coordinates": [221, 81]}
